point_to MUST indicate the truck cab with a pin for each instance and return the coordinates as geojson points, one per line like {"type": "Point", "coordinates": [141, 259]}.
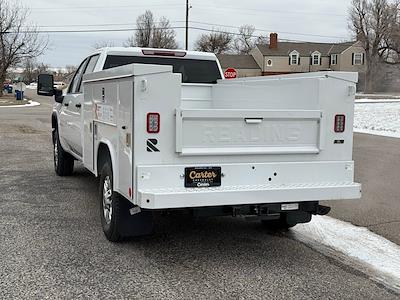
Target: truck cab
{"type": "Point", "coordinates": [199, 71]}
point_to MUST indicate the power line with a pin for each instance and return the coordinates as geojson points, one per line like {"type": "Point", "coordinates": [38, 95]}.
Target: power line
{"type": "Point", "coordinates": [237, 34]}
{"type": "Point", "coordinates": [103, 7]}
{"type": "Point", "coordinates": [135, 29]}
{"type": "Point", "coordinates": [176, 27]}
{"type": "Point", "coordinates": [88, 30]}
{"type": "Point", "coordinates": [268, 10]}
{"type": "Point", "coordinates": [161, 4]}
{"type": "Point", "coordinates": [100, 25]}
{"type": "Point", "coordinates": [270, 30]}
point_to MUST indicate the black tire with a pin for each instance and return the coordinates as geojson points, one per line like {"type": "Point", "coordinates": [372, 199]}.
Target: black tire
{"type": "Point", "coordinates": [120, 224]}
{"type": "Point", "coordinates": [63, 161]}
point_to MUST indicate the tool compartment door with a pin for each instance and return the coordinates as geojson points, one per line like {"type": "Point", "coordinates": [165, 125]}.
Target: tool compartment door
{"type": "Point", "coordinates": [234, 131]}
{"type": "Point", "coordinates": [125, 137]}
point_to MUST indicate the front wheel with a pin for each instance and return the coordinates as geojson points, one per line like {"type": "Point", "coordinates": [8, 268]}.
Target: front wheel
{"type": "Point", "coordinates": [63, 161]}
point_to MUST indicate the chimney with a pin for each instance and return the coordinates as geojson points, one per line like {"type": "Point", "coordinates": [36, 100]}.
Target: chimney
{"type": "Point", "coordinates": [273, 41]}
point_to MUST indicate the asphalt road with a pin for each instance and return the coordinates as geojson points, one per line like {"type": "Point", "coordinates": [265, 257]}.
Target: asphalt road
{"type": "Point", "coordinates": [377, 167]}
{"type": "Point", "coordinates": [52, 246]}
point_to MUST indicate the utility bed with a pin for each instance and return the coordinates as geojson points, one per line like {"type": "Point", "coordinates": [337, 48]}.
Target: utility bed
{"type": "Point", "coordinates": [278, 139]}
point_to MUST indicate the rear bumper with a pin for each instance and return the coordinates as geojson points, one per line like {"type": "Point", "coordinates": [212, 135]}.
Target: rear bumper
{"type": "Point", "coordinates": [161, 187]}
{"type": "Point", "coordinates": [242, 195]}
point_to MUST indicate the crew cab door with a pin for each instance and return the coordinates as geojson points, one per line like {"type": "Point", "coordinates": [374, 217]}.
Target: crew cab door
{"type": "Point", "coordinates": [70, 115]}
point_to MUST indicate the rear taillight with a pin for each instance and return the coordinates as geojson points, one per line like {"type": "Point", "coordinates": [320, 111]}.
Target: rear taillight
{"type": "Point", "coordinates": [153, 122]}
{"type": "Point", "coordinates": [340, 123]}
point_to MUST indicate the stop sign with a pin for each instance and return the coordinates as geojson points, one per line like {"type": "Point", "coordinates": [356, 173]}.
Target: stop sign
{"type": "Point", "coordinates": [230, 73]}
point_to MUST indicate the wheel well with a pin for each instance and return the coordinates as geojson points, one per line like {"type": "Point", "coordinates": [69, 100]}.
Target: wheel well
{"type": "Point", "coordinates": [103, 156]}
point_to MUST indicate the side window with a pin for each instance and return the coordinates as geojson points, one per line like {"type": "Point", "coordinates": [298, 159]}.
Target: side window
{"type": "Point", "coordinates": [74, 85]}
{"type": "Point", "coordinates": [89, 69]}
{"type": "Point", "coordinates": [92, 64]}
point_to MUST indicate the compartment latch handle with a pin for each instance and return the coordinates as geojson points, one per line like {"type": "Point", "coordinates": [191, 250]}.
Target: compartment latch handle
{"type": "Point", "coordinates": [253, 120]}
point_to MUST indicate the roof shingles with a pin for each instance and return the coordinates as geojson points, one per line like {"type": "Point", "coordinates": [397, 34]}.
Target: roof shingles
{"type": "Point", "coordinates": [305, 49]}
{"type": "Point", "coordinates": [237, 61]}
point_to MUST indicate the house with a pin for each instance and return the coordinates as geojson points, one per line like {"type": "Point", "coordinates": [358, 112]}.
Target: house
{"type": "Point", "coordinates": [278, 58]}
{"type": "Point", "coordinates": [244, 64]}
{"type": "Point", "coordinates": [293, 57]}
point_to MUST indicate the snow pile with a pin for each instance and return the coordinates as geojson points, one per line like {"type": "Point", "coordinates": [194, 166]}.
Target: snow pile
{"type": "Point", "coordinates": [373, 253]}
{"type": "Point", "coordinates": [29, 104]}
{"type": "Point", "coordinates": [378, 118]}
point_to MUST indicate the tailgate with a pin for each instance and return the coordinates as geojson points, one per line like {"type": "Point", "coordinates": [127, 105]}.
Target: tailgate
{"type": "Point", "coordinates": [234, 131]}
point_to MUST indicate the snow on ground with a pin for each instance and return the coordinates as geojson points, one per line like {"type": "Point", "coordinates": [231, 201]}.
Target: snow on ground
{"type": "Point", "coordinates": [375, 255]}
{"type": "Point", "coordinates": [29, 104]}
{"type": "Point", "coordinates": [378, 117]}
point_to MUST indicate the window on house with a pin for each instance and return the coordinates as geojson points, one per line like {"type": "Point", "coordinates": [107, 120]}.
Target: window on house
{"type": "Point", "coordinates": [294, 58]}
{"type": "Point", "coordinates": [358, 59]}
{"type": "Point", "coordinates": [334, 59]}
{"type": "Point", "coordinates": [316, 58]}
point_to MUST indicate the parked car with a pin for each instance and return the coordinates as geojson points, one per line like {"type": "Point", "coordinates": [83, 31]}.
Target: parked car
{"type": "Point", "coordinates": [59, 85]}
{"type": "Point", "coordinates": [8, 87]}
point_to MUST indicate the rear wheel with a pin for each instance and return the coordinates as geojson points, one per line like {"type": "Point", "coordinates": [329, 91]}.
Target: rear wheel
{"type": "Point", "coordinates": [110, 205]}
{"type": "Point", "coordinates": [63, 161]}
{"type": "Point", "coordinates": [116, 220]}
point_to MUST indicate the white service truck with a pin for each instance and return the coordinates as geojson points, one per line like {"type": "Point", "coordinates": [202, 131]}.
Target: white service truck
{"type": "Point", "coordinates": [163, 130]}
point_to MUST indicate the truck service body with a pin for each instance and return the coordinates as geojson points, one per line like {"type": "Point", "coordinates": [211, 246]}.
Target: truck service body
{"type": "Point", "coordinates": [169, 132]}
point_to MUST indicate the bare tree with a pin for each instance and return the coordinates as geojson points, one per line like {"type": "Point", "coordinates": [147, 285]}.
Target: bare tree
{"type": "Point", "coordinates": [32, 69]}
{"type": "Point", "coordinates": [71, 69]}
{"type": "Point", "coordinates": [163, 35]}
{"type": "Point", "coordinates": [392, 39]}
{"type": "Point", "coordinates": [373, 22]}
{"type": "Point", "coordinates": [145, 24]}
{"type": "Point", "coordinates": [42, 68]}
{"type": "Point", "coordinates": [102, 44]}
{"type": "Point", "coordinates": [152, 34]}
{"type": "Point", "coordinates": [216, 42]}
{"type": "Point", "coordinates": [29, 74]}
{"type": "Point", "coordinates": [246, 41]}
{"type": "Point", "coordinates": [19, 40]}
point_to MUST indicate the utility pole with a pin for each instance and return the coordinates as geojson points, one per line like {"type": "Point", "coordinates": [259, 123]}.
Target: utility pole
{"type": "Point", "coordinates": [187, 24]}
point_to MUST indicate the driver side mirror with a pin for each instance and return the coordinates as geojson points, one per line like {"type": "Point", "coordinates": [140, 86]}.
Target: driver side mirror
{"type": "Point", "coordinates": [45, 86]}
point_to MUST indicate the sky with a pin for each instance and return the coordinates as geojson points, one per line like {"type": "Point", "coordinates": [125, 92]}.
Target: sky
{"type": "Point", "coordinates": [305, 20]}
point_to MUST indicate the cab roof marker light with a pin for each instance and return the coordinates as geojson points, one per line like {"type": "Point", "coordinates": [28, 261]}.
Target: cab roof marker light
{"type": "Point", "coordinates": [164, 53]}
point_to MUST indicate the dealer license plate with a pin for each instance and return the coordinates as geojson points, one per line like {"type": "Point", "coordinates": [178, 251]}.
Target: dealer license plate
{"type": "Point", "coordinates": [196, 177]}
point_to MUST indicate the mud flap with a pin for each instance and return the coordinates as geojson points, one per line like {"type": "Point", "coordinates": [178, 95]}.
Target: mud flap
{"type": "Point", "coordinates": [135, 225]}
